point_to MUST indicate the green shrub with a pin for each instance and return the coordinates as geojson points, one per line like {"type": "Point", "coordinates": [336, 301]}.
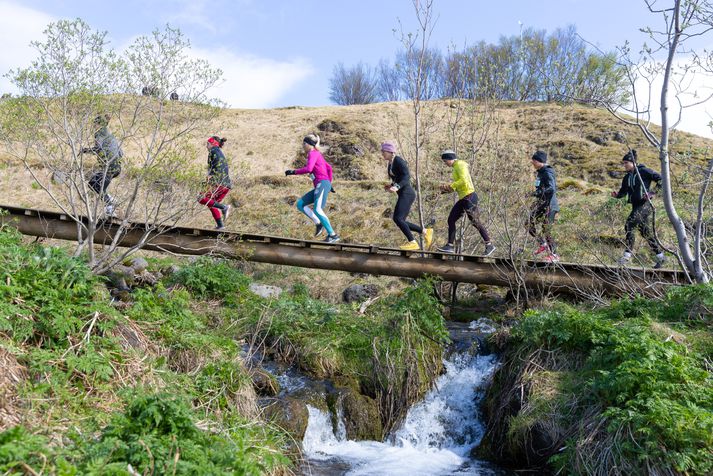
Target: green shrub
{"type": "Point", "coordinates": [21, 452]}
{"type": "Point", "coordinates": [46, 296]}
{"type": "Point", "coordinates": [157, 434]}
{"type": "Point", "coordinates": [655, 388]}
{"type": "Point", "coordinates": [690, 304]}
{"type": "Point", "coordinates": [565, 328]}
{"type": "Point", "coordinates": [211, 278]}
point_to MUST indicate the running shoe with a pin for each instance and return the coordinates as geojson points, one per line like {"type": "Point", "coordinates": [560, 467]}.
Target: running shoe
{"type": "Point", "coordinates": [226, 212]}
{"type": "Point", "coordinates": [626, 257]}
{"type": "Point", "coordinates": [659, 261]}
{"type": "Point", "coordinates": [489, 248]}
{"type": "Point", "coordinates": [447, 248]}
{"type": "Point", "coordinates": [318, 229]}
{"type": "Point", "coordinates": [410, 246]}
{"type": "Point", "coordinates": [552, 258]}
{"type": "Point", "coordinates": [332, 238]}
{"type": "Point", "coordinates": [428, 237]}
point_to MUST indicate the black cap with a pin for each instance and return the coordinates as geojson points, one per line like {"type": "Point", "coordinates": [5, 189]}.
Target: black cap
{"type": "Point", "coordinates": [540, 156]}
{"type": "Point", "coordinates": [448, 155]}
{"type": "Point", "coordinates": [630, 156]}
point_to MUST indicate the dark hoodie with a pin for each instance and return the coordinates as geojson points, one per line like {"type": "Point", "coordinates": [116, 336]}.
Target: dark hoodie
{"type": "Point", "coordinates": [632, 187]}
{"type": "Point", "coordinates": [546, 188]}
{"type": "Point", "coordinates": [218, 168]}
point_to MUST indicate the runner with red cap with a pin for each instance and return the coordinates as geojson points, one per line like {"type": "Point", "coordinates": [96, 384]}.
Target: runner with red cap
{"type": "Point", "coordinates": [217, 182]}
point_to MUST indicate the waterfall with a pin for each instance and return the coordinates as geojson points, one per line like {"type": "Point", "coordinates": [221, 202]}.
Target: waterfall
{"type": "Point", "coordinates": [435, 438]}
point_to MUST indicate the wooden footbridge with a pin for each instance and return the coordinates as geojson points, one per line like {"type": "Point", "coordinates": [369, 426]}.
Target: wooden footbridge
{"type": "Point", "coordinates": [515, 271]}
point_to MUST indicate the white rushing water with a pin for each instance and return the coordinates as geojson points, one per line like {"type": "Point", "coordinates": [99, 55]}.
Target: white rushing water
{"type": "Point", "coordinates": [435, 438]}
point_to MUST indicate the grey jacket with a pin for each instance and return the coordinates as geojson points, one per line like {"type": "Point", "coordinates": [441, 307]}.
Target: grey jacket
{"type": "Point", "coordinates": [107, 149]}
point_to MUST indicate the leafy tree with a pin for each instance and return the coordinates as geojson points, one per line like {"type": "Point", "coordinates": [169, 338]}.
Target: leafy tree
{"type": "Point", "coordinates": [76, 78]}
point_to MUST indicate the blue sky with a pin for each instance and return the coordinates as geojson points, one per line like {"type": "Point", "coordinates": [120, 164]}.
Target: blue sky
{"type": "Point", "coordinates": [281, 52]}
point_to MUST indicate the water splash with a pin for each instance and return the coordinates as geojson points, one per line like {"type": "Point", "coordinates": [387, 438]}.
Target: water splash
{"type": "Point", "coordinates": [434, 439]}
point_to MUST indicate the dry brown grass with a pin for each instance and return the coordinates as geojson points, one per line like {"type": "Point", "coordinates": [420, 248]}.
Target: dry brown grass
{"type": "Point", "coordinates": [12, 375]}
{"type": "Point", "coordinates": [584, 145]}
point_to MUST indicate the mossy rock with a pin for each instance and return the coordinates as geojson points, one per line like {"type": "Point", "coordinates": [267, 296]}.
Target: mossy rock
{"type": "Point", "coordinates": [526, 409]}
{"type": "Point", "coordinates": [362, 420]}
{"type": "Point", "coordinates": [348, 146]}
{"type": "Point", "coordinates": [288, 413]}
{"type": "Point", "coordinates": [264, 383]}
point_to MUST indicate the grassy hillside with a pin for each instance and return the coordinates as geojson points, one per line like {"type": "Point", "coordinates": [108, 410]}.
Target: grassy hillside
{"type": "Point", "coordinates": [585, 146]}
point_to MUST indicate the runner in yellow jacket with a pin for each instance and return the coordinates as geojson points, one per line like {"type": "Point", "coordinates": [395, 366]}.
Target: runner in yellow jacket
{"type": "Point", "coordinates": [467, 203]}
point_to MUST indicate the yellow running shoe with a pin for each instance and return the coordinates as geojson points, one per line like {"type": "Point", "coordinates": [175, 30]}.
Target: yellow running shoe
{"type": "Point", "coordinates": [410, 246]}
{"type": "Point", "coordinates": [428, 237]}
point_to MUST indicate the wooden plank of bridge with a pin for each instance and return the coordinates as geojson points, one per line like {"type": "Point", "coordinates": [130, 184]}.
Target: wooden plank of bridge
{"type": "Point", "coordinates": [376, 260]}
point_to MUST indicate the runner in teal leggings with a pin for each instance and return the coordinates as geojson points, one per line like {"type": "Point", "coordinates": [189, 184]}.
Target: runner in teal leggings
{"type": "Point", "coordinates": [322, 181]}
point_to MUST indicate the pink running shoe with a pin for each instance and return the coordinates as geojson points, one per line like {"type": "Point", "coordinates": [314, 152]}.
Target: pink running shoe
{"type": "Point", "coordinates": [552, 258]}
{"type": "Point", "coordinates": [541, 249]}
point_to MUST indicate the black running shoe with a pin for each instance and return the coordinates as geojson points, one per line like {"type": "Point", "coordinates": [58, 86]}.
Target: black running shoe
{"type": "Point", "coordinates": [318, 229]}
{"type": "Point", "coordinates": [447, 248]}
{"type": "Point", "coordinates": [332, 238]}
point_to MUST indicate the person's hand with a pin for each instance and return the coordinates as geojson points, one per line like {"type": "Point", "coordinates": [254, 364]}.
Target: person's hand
{"type": "Point", "coordinates": [446, 188]}
{"type": "Point", "coordinates": [613, 194]}
{"type": "Point", "coordinates": [387, 186]}
{"type": "Point", "coordinates": [289, 172]}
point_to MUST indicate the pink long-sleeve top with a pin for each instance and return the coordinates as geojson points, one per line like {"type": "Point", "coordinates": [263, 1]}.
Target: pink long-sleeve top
{"type": "Point", "coordinates": [317, 166]}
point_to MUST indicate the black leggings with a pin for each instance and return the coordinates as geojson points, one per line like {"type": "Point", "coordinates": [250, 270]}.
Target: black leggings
{"type": "Point", "coordinates": [100, 181]}
{"type": "Point", "coordinates": [403, 207]}
{"type": "Point", "coordinates": [469, 206]}
{"type": "Point", "coordinates": [640, 217]}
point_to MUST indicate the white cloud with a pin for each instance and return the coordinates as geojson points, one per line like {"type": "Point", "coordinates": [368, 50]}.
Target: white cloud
{"type": "Point", "coordinates": [18, 27]}
{"type": "Point", "coordinates": [193, 12]}
{"type": "Point", "coordinates": [254, 82]}
{"type": "Point", "coordinates": [203, 13]}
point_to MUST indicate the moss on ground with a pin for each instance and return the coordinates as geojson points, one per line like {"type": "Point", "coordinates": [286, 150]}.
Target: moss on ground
{"type": "Point", "coordinates": [616, 390]}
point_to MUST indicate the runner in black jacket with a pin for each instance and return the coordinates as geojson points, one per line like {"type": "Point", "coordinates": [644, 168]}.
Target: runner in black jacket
{"type": "Point", "coordinates": [544, 209]}
{"type": "Point", "coordinates": [218, 182]}
{"type": "Point", "coordinates": [636, 186]}
{"type": "Point", "coordinates": [398, 172]}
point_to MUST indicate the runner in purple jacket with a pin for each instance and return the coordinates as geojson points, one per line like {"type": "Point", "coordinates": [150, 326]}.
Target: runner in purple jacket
{"type": "Point", "coordinates": [321, 173]}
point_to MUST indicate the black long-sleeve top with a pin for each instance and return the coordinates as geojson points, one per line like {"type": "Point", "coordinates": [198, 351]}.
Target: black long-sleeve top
{"type": "Point", "coordinates": [634, 189]}
{"type": "Point", "coordinates": [399, 173]}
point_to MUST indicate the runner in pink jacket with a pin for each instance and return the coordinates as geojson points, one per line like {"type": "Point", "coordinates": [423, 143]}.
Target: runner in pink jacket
{"type": "Point", "coordinates": [321, 173]}
{"type": "Point", "coordinates": [317, 166]}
